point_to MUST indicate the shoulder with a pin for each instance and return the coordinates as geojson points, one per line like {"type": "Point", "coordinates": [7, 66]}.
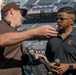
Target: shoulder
{"type": "Point", "coordinates": [52, 39]}
{"type": "Point", "coordinates": [2, 23]}
{"type": "Point", "coordinates": [4, 27]}
{"type": "Point", "coordinates": [74, 31]}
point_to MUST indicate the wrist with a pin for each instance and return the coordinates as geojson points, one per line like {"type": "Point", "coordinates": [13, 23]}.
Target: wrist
{"type": "Point", "coordinates": [34, 32]}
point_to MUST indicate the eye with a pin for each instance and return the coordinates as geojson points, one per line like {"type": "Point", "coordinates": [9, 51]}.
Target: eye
{"type": "Point", "coordinates": [61, 18]}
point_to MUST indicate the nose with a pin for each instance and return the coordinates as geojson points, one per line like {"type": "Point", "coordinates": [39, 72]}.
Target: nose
{"type": "Point", "coordinates": [58, 20]}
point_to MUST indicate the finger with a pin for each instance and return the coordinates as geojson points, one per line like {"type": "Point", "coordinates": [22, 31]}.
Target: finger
{"type": "Point", "coordinates": [42, 56]}
{"type": "Point", "coordinates": [52, 31]}
{"type": "Point", "coordinates": [60, 71]}
{"type": "Point", "coordinates": [51, 27]}
{"type": "Point", "coordinates": [53, 70]}
{"type": "Point", "coordinates": [50, 35]}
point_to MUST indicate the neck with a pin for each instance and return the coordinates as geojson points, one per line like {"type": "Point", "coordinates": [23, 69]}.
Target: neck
{"type": "Point", "coordinates": [9, 23]}
{"type": "Point", "coordinates": [13, 25]}
{"type": "Point", "coordinates": [66, 32]}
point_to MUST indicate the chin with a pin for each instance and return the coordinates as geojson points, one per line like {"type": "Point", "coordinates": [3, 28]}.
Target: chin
{"type": "Point", "coordinates": [18, 26]}
{"type": "Point", "coordinates": [60, 27]}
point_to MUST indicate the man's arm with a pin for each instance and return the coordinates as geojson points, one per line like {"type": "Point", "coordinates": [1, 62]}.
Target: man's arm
{"type": "Point", "coordinates": [11, 38]}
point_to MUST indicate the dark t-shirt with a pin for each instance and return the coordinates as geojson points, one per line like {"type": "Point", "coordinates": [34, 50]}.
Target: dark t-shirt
{"type": "Point", "coordinates": [10, 57]}
{"type": "Point", "coordinates": [65, 50]}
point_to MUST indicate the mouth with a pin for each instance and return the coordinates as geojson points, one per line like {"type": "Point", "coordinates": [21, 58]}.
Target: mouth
{"type": "Point", "coordinates": [22, 21]}
{"type": "Point", "coordinates": [59, 25]}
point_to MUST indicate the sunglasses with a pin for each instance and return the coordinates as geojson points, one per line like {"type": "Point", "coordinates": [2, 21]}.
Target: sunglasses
{"type": "Point", "coordinates": [60, 18]}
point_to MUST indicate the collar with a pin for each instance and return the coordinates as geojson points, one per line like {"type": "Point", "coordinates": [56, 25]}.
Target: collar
{"type": "Point", "coordinates": [7, 22]}
{"type": "Point", "coordinates": [71, 34]}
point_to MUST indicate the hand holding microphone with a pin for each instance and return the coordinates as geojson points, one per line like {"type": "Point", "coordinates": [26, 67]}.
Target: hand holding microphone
{"type": "Point", "coordinates": [57, 61]}
{"type": "Point", "coordinates": [55, 67]}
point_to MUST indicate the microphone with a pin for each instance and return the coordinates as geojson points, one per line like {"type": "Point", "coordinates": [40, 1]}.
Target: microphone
{"type": "Point", "coordinates": [30, 50]}
{"type": "Point", "coordinates": [57, 61]}
{"type": "Point", "coordinates": [56, 27]}
{"type": "Point", "coordinates": [42, 60]}
{"type": "Point", "coordinates": [32, 54]}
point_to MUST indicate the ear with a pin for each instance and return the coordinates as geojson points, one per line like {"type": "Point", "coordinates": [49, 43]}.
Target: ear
{"type": "Point", "coordinates": [72, 22]}
{"type": "Point", "coordinates": [73, 19]}
{"type": "Point", "coordinates": [12, 11]}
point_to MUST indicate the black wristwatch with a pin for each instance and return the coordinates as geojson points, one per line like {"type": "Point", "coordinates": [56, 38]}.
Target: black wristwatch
{"type": "Point", "coordinates": [70, 67]}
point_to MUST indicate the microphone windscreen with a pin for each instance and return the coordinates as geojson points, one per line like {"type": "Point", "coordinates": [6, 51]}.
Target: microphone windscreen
{"type": "Point", "coordinates": [57, 29]}
{"type": "Point", "coordinates": [57, 61]}
{"type": "Point", "coordinates": [31, 52]}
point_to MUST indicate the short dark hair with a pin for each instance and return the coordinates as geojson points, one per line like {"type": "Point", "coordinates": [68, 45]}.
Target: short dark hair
{"type": "Point", "coordinates": [67, 9]}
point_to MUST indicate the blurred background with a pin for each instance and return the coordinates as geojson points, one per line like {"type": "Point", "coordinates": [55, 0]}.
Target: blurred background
{"type": "Point", "coordinates": [40, 12]}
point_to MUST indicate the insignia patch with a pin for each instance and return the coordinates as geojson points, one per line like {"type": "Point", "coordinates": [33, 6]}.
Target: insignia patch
{"type": "Point", "coordinates": [70, 42]}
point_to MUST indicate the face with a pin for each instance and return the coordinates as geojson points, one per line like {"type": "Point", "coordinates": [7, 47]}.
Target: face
{"type": "Point", "coordinates": [17, 18]}
{"type": "Point", "coordinates": [65, 20]}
